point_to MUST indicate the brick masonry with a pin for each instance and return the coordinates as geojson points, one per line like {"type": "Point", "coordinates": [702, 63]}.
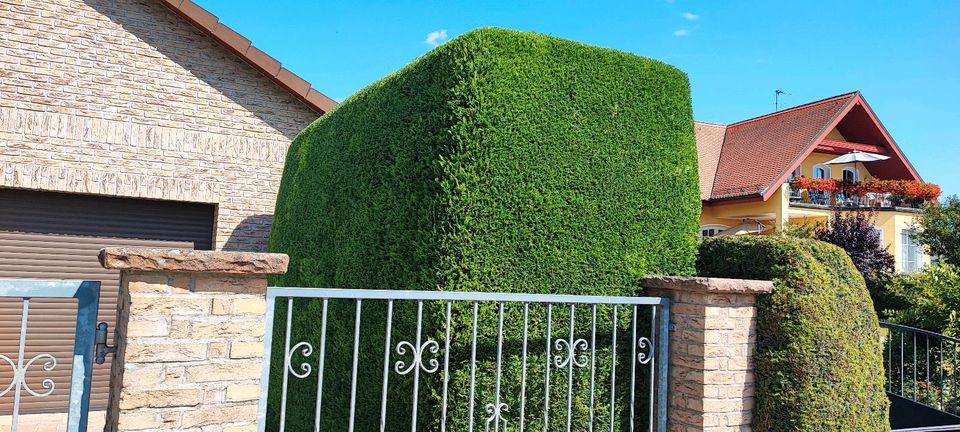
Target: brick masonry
{"type": "Point", "coordinates": [712, 340]}
{"type": "Point", "coordinates": [124, 98]}
{"type": "Point", "coordinates": [190, 341]}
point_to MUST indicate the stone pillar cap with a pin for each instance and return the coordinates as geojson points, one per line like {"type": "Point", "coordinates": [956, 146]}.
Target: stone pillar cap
{"type": "Point", "coordinates": [192, 261]}
{"type": "Point", "coordinates": [708, 285]}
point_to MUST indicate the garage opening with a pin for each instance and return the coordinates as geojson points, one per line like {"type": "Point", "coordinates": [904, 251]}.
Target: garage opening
{"type": "Point", "coordinates": [49, 235]}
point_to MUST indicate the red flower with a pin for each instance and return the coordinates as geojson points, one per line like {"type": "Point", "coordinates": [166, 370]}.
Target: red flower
{"type": "Point", "coordinates": [904, 188]}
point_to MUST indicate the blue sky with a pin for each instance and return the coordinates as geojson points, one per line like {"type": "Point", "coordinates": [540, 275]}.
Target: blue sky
{"type": "Point", "coordinates": [903, 56]}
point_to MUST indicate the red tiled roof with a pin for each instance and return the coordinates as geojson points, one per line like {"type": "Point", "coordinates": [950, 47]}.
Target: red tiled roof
{"type": "Point", "coordinates": [758, 152]}
{"type": "Point", "coordinates": [209, 24]}
{"type": "Point", "coordinates": [709, 143]}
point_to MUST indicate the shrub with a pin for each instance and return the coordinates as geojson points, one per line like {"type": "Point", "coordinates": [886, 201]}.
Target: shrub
{"type": "Point", "coordinates": [819, 362]}
{"type": "Point", "coordinates": [930, 299]}
{"type": "Point", "coordinates": [500, 161]}
{"type": "Point", "coordinates": [854, 232]}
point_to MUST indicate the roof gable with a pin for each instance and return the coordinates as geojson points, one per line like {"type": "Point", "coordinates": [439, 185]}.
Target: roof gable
{"type": "Point", "coordinates": [210, 25]}
{"type": "Point", "coordinates": [756, 156]}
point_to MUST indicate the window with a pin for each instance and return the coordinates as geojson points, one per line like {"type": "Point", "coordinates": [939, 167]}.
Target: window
{"type": "Point", "coordinates": [796, 173]}
{"type": "Point", "coordinates": [821, 171]}
{"type": "Point", "coordinates": [879, 232]}
{"type": "Point", "coordinates": [911, 253]}
{"type": "Point", "coordinates": [711, 230]}
{"type": "Point", "coordinates": [851, 175]}
{"type": "Point", "coordinates": [794, 193]}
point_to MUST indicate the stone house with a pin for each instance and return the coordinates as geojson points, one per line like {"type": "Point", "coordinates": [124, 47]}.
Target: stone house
{"type": "Point", "coordinates": [136, 123]}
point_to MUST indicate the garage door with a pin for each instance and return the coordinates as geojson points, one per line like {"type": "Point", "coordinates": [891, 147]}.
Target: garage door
{"type": "Point", "coordinates": [45, 235]}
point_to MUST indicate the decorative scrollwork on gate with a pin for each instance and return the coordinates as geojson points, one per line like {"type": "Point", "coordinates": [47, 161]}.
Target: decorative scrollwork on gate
{"type": "Point", "coordinates": [643, 357]}
{"type": "Point", "coordinates": [430, 366]}
{"type": "Point", "coordinates": [306, 350]}
{"type": "Point", "coordinates": [563, 359]}
{"type": "Point", "coordinates": [496, 417]}
{"type": "Point", "coordinates": [20, 375]}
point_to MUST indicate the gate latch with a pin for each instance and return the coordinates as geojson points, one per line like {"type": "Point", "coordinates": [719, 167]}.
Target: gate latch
{"type": "Point", "coordinates": [102, 349]}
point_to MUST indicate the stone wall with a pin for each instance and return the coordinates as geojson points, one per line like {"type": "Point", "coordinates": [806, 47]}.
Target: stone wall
{"type": "Point", "coordinates": [712, 339]}
{"type": "Point", "coordinates": [125, 98]}
{"type": "Point", "coordinates": [190, 333]}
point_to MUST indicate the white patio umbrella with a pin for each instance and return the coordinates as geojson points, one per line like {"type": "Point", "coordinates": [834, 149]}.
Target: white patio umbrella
{"type": "Point", "coordinates": [856, 156]}
{"type": "Point", "coordinates": [747, 226]}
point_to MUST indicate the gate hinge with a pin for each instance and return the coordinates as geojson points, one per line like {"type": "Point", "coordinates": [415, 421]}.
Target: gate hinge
{"type": "Point", "coordinates": [102, 349]}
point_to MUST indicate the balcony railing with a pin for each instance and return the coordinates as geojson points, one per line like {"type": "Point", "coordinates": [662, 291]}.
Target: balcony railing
{"type": "Point", "coordinates": [873, 193]}
{"type": "Point", "coordinates": [870, 200]}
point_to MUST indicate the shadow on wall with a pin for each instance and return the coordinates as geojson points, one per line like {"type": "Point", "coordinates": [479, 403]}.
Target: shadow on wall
{"type": "Point", "coordinates": [250, 235]}
{"type": "Point", "coordinates": [210, 62]}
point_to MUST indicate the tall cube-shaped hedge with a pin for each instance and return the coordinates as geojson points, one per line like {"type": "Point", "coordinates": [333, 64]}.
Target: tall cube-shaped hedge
{"type": "Point", "coordinates": [500, 161]}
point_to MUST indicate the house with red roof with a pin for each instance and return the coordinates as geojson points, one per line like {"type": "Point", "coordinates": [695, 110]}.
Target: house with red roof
{"type": "Point", "coordinates": [761, 175]}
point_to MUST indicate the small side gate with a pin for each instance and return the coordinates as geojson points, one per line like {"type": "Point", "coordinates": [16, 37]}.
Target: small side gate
{"type": "Point", "coordinates": [379, 360]}
{"type": "Point", "coordinates": [87, 294]}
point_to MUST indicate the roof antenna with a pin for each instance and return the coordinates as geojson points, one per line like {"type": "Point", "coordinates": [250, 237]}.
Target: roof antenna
{"type": "Point", "coordinates": [776, 98]}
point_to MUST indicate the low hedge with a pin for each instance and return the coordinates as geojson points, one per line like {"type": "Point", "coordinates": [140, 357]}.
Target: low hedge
{"type": "Point", "coordinates": [500, 161]}
{"type": "Point", "coordinates": [819, 358]}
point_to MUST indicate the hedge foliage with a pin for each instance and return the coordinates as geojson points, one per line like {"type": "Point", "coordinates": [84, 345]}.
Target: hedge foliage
{"type": "Point", "coordinates": [500, 161]}
{"type": "Point", "coordinates": [819, 361]}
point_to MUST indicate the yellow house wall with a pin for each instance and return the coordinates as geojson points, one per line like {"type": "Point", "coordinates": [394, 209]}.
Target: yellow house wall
{"type": "Point", "coordinates": [893, 223]}
{"type": "Point", "coordinates": [730, 214]}
{"type": "Point", "coordinates": [835, 135]}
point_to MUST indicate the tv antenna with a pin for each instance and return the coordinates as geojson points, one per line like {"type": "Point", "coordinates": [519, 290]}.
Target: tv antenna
{"type": "Point", "coordinates": [776, 98]}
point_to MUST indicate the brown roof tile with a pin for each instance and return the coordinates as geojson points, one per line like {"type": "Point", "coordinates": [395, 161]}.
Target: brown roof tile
{"type": "Point", "coordinates": [209, 24]}
{"type": "Point", "coordinates": [296, 84]}
{"type": "Point", "coordinates": [263, 61]}
{"type": "Point", "coordinates": [321, 100]}
{"type": "Point", "coordinates": [777, 140]}
{"type": "Point", "coordinates": [232, 39]}
{"type": "Point", "coordinates": [709, 143]}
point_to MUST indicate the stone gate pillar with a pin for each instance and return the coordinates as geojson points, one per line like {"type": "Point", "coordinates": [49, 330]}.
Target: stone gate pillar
{"type": "Point", "coordinates": [189, 337]}
{"type": "Point", "coordinates": [712, 338]}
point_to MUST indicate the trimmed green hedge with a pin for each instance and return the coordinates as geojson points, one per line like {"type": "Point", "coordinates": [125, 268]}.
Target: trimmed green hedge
{"type": "Point", "coordinates": [819, 358]}
{"type": "Point", "coordinates": [500, 161]}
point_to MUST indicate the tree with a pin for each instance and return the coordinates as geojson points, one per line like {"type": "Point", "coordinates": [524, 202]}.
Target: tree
{"type": "Point", "coordinates": [931, 297]}
{"type": "Point", "coordinates": [939, 229]}
{"type": "Point", "coordinates": [854, 232]}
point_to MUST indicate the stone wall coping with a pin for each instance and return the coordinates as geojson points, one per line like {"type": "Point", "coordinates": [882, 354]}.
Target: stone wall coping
{"type": "Point", "coordinates": [193, 261]}
{"type": "Point", "coordinates": [708, 285]}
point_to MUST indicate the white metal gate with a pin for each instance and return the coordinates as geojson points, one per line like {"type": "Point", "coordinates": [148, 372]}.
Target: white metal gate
{"type": "Point", "coordinates": [405, 346]}
{"type": "Point", "coordinates": [87, 294]}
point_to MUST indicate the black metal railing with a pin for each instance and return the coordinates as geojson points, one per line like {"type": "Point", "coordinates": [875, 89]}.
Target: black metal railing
{"type": "Point", "coordinates": [922, 366]}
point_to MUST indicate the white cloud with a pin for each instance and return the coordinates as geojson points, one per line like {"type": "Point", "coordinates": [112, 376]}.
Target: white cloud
{"type": "Point", "coordinates": [681, 33]}
{"type": "Point", "coordinates": [690, 16]}
{"type": "Point", "coordinates": [436, 37]}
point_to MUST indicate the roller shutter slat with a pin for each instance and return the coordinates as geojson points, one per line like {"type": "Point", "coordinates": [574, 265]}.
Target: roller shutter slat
{"type": "Point", "coordinates": [46, 235]}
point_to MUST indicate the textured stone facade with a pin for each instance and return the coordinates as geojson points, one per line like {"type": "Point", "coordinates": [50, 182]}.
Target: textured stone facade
{"type": "Point", "coordinates": [125, 98]}
{"type": "Point", "coordinates": [712, 339]}
{"type": "Point", "coordinates": [190, 343]}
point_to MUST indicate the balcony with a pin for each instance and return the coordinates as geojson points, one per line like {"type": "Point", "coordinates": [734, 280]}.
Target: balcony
{"type": "Point", "coordinates": [906, 195]}
{"type": "Point", "coordinates": [870, 201]}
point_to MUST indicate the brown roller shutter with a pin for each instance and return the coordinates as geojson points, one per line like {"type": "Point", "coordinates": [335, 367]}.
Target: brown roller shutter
{"type": "Point", "coordinates": [46, 235]}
